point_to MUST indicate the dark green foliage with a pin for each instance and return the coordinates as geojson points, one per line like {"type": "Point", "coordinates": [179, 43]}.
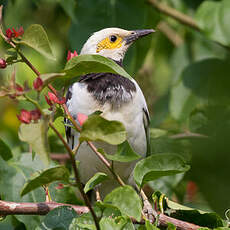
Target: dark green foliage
{"type": "Point", "coordinates": [187, 87]}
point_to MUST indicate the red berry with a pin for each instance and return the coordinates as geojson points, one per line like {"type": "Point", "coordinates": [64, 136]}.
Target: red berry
{"type": "Point", "coordinates": [24, 116]}
{"type": "Point", "coordinates": [71, 55]}
{"type": "Point", "coordinates": [3, 63]}
{"type": "Point", "coordinates": [38, 83]}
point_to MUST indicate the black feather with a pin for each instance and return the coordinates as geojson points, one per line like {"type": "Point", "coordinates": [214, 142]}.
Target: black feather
{"type": "Point", "coordinates": [109, 87]}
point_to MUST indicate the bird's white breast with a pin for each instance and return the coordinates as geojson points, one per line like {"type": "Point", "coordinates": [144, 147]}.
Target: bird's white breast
{"type": "Point", "coordinates": [129, 113]}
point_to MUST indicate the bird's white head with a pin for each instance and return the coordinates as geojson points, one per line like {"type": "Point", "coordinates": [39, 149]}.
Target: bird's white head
{"type": "Point", "coordinates": [112, 42]}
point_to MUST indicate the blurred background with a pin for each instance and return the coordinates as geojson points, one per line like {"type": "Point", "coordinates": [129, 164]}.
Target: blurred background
{"type": "Point", "coordinates": [184, 74]}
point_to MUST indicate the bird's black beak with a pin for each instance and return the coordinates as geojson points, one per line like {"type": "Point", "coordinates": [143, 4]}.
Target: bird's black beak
{"type": "Point", "coordinates": [136, 34]}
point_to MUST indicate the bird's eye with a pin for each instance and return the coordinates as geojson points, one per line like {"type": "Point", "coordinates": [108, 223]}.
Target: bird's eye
{"type": "Point", "coordinates": [113, 38]}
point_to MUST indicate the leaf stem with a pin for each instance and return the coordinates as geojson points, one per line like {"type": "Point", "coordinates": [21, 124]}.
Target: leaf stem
{"type": "Point", "coordinates": [76, 174]}
{"type": "Point", "coordinates": [75, 150]}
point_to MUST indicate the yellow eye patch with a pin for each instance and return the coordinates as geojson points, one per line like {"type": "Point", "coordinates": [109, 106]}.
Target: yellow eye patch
{"type": "Point", "coordinates": [108, 44]}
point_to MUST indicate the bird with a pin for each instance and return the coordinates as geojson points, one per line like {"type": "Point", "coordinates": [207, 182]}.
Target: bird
{"type": "Point", "coordinates": [118, 98]}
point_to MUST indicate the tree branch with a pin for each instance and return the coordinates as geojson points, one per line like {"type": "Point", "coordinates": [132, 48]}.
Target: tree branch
{"type": "Point", "coordinates": [188, 135]}
{"type": "Point", "coordinates": [13, 208]}
{"type": "Point", "coordinates": [170, 33]}
{"type": "Point", "coordinates": [182, 18]}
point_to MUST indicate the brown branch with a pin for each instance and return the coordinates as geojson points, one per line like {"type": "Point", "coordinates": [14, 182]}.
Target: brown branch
{"type": "Point", "coordinates": [188, 135]}
{"type": "Point", "coordinates": [1, 8]}
{"type": "Point", "coordinates": [13, 208]}
{"type": "Point", "coordinates": [182, 18]}
{"type": "Point", "coordinates": [170, 33]}
{"type": "Point", "coordinates": [106, 163]}
{"type": "Point", "coordinates": [180, 224]}
{"type": "Point", "coordinates": [29, 63]}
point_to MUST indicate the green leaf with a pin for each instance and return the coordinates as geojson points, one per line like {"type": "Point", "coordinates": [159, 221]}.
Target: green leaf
{"type": "Point", "coordinates": [95, 180]}
{"type": "Point", "coordinates": [36, 135]}
{"type": "Point", "coordinates": [36, 38]}
{"type": "Point", "coordinates": [84, 221]}
{"type": "Point", "coordinates": [5, 151]}
{"type": "Point", "coordinates": [46, 177]}
{"type": "Point", "coordinates": [213, 18]}
{"type": "Point", "coordinates": [171, 227]}
{"type": "Point", "coordinates": [124, 153]}
{"type": "Point", "coordinates": [49, 77]}
{"type": "Point", "coordinates": [150, 226]}
{"type": "Point", "coordinates": [175, 206]}
{"type": "Point", "coordinates": [167, 184]}
{"type": "Point", "coordinates": [84, 64]}
{"type": "Point", "coordinates": [108, 210]}
{"type": "Point", "coordinates": [97, 128]}
{"type": "Point", "coordinates": [210, 220]}
{"type": "Point", "coordinates": [158, 165]}
{"type": "Point", "coordinates": [222, 228]}
{"type": "Point", "coordinates": [69, 6]}
{"type": "Point", "coordinates": [59, 218]}
{"type": "Point", "coordinates": [201, 83]}
{"type": "Point", "coordinates": [185, 213]}
{"type": "Point", "coordinates": [127, 200]}
{"type": "Point", "coordinates": [118, 223]}
{"type": "Point", "coordinates": [11, 55]}
{"type": "Point", "coordinates": [212, 120]}
{"type": "Point", "coordinates": [14, 174]}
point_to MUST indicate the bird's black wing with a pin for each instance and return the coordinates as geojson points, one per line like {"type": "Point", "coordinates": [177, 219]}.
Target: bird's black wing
{"type": "Point", "coordinates": [146, 121]}
{"type": "Point", "coordinates": [68, 129]}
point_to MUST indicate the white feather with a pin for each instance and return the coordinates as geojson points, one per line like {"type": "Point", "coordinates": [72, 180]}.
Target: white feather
{"type": "Point", "coordinates": [130, 114]}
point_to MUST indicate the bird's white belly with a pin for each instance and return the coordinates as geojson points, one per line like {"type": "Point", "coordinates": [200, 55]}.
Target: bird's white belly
{"type": "Point", "coordinates": [130, 114]}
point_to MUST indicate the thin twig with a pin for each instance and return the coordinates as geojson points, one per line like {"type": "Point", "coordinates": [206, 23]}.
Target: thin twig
{"type": "Point", "coordinates": [75, 150]}
{"type": "Point", "coordinates": [188, 135]}
{"type": "Point", "coordinates": [70, 117]}
{"type": "Point", "coordinates": [170, 33]}
{"type": "Point", "coordinates": [1, 8]}
{"type": "Point", "coordinates": [182, 18]}
{"type": "Point", "coordinates": [28, 63]}
{"type": "Point", "coordinates": [76, 174]}
{"type": "Point", "coordinates": [106, 163]}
